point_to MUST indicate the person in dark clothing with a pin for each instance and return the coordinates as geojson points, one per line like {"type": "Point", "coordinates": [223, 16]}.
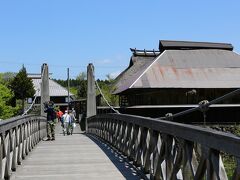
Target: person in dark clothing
{"type": "Point", "coordinates": [51, 116]}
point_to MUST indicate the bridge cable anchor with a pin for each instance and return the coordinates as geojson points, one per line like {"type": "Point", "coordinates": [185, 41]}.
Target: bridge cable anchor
{"type": "Point", "coordinates": [204, 106]}
{"type": "Point", "coordinates": [169, 116]}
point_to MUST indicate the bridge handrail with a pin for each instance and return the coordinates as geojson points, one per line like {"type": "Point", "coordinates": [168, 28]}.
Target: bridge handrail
{"type": "Point", "coordinates": [17, 120]}
{"type": "Point", "coordinates": [139, 137]}
{"type": "Point", "coordinates": [18, 136]}
{"type": "Point", "coordinates": [203, 107]}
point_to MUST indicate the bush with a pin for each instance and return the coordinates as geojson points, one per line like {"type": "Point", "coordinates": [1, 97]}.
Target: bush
{"type": "Point", "coordinates": [6, 111]}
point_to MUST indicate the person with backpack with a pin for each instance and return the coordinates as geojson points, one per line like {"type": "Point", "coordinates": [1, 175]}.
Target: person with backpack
{"type": "Point", "coordinates": [51, 116]}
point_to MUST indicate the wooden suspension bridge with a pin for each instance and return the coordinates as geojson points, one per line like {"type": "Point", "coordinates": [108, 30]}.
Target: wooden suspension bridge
{"type": "Point", "coordinates": [114, 146]}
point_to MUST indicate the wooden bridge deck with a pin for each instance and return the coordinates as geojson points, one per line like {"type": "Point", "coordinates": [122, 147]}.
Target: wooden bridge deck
{"type": "Point", "coordinates": [73, 157]}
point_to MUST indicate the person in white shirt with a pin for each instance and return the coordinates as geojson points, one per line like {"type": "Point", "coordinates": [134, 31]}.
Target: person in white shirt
{"type": "Point", "coordinates": [74, 112]}
{"type": "Point", "coordinates": [66, 123]}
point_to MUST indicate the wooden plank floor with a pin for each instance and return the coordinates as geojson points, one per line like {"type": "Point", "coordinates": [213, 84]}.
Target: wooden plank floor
{"type": "Point", "coordinates": [74, 157]}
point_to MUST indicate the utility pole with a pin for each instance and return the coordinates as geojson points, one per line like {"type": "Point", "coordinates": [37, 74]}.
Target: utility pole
{"type": "Point", "coordinates": [68, 87]}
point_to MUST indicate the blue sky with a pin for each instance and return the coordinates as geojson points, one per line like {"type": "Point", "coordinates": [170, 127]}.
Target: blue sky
{"type": "Point", "coordinates": [73, 33]}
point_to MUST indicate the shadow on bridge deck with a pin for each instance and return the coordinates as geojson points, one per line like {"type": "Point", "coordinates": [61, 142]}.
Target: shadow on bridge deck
{"type": "Point", "coordinates": [128, 170]}
{"type": "Point", "coordinates": [73, 157]}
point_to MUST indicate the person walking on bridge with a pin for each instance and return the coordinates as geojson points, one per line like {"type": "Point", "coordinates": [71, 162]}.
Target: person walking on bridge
{"type": "Point", "coordinates": [51, 116]}
{"type": "Point", "coordinates": [59, 115]}
{"type": "Point", "coordinates": [66, 118]}
{"type": "Point", "coordinates": [72, 122]}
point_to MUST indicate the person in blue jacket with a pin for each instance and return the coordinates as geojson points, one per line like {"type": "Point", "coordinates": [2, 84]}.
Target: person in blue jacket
{"type": "Point", "coordinates": [51, 116]}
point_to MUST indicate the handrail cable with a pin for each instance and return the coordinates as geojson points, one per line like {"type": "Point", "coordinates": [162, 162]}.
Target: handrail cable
{"type": "Point", "coordinates": [116, 111]}
{"type": "Point", "coordinates": [30, 107]}
{"type": "Point", "coordinates": [202, 106]}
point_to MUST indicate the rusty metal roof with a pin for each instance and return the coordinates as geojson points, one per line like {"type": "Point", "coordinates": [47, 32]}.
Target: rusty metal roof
{"type": "Point", "coordinates": [201, 68]}
{"type": "Point", "coordinates": [136, 67]}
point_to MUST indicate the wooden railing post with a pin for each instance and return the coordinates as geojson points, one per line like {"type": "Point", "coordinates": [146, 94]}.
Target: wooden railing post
{"type": "Point", "coordinates": [17, 138]}
{"type": "Point", "coordinates": [168, 150]}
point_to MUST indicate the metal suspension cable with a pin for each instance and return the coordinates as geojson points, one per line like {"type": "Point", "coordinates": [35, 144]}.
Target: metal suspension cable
{"type": "Point", "coordinates": [116, 111]}
{"type": "Point", "coordinates": [204, 105]}
{"type": "Point", "coordinates": [30, 107]}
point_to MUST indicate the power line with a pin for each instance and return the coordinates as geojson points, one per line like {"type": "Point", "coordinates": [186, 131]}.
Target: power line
{"type": "Point", "coordinates": [58, 65]}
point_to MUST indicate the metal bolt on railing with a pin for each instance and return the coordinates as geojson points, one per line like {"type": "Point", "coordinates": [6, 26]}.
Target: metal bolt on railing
{"type": "Point", "coordinates": [203, 106]}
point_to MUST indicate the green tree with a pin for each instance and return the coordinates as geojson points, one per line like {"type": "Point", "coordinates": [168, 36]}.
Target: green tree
{"type": "Point", "coordinates": [82, 89]}
{"type": "Point", "coordinates": [7, 77]}
{"type": "Point", "coordinates": [82, 85]}
{"type": "Point", "coordinates": [6, 111]}
{"type": "Point", "coordinates": [106, 87]}
{"type": "Point", "coordinates": [82, 76]}
{"type": "Point", "coordinates": [22, 86]}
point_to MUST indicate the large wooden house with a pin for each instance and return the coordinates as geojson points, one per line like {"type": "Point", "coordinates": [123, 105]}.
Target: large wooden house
{"type": "Point", "coordinates": [180, 73]}
{"type": "Point", "coordinates": [57, 93]}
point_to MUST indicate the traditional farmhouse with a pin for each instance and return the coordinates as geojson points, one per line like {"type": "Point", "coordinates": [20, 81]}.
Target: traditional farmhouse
{"type": "Point", "coordinates": [58, 94]}
{"type": "Point", "coordinates": [180, 74]}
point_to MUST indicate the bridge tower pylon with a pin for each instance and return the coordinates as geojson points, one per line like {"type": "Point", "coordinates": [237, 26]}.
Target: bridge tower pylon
{"type": "Point", "coordinates": [44, 87]}
{"type": "Point", "coordinates": [91, 92]}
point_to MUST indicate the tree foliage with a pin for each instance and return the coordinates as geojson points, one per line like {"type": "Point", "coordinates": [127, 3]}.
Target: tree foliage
{"type": "Point", "coordinates": [6, 111]}
{"type": "Point", "coordinates": [82, 76]}
{"type": "Point", "coordinates": [82, 90]}
{"type": "Point", "coordinates": [22, 86]}
{"type": "Point", "coordinates": [64, 83]}
{"type": "Point", "coordinates": [106, 87]}
{"type": "Point", "coordinates": [6, 78]}
{"type": "Point", "coordinates": [80, 84]}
